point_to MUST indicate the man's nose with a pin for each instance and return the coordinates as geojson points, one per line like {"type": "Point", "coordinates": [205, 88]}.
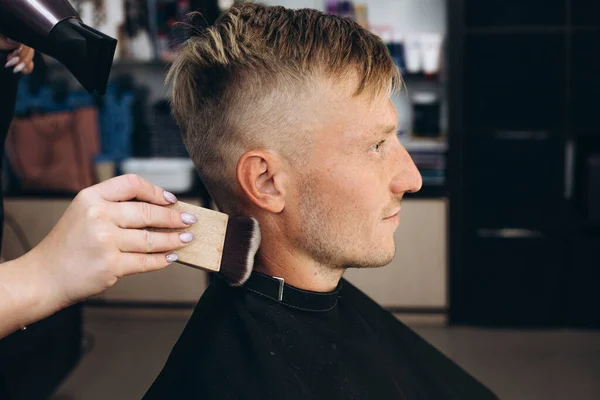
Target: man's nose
{"type": "Point", "coordinates": [407, 177]}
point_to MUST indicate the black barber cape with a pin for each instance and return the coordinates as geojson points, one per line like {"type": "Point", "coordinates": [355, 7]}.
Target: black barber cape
{"type": "Point", "coordinates": [268, 340]}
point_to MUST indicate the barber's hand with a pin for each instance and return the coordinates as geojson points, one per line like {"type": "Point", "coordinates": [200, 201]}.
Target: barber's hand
{"type": "Point", "coordinates": [7, 44]}
{"type": "Point", "coordinates": [21, 59]}
{"type": "Point", "coordinates": [101, 238]}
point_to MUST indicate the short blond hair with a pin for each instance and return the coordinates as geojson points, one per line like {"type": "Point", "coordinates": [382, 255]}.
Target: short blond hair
{"type": "Point", "coordinates": [227, 77]}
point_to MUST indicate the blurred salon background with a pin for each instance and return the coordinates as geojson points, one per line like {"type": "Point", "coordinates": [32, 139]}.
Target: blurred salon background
{"type": "Point", "coordinates": [498, 256]}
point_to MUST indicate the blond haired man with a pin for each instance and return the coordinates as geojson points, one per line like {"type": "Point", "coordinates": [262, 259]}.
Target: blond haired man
{"type": "Point", "coordinates": [287, 116]}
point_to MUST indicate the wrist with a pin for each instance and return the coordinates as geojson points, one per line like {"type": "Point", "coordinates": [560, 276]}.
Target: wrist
{"type": "Point", "coordinates": [38, 290]}
{"type": "Point", "coordinates": [24, 295]}
{"type": "Point", "coordinates": [17, 294]}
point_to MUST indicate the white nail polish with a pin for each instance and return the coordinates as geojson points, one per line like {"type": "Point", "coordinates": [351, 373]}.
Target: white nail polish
{"type": "Point", "coordinates": [188, 219]}
{"type": "Point", "coordinates": [170, 197]}
{"type": "Point", "coordinates": [19, 68]}
{"type": "Point", "coordinates": [12, 62]}
{"type": "Point", "coordinates": [186, 237]}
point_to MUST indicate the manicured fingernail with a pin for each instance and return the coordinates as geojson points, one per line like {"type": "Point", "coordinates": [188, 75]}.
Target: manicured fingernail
{"type": "Point", "coordinates": [188, 218]}
{"type": "Point", "coordinates": [186, 237]}
{"type": "Point", "coordinates": [170, 197]}
{"type": "Point", "coordinates": [10, 41]}
{"type": "Point", "coordinates": [19, 68]}
{"type": "Point", "coordinates": [12, 62]}
{"type": "Point", "coordinates": [172, 257]}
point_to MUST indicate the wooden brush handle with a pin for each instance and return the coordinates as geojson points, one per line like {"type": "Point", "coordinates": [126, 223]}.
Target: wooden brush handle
{"type": "Point", "coordinates": [206, 251]}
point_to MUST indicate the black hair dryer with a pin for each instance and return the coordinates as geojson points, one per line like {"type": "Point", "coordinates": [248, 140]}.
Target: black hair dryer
{"type": "Point", "coordinates": [54, 28]}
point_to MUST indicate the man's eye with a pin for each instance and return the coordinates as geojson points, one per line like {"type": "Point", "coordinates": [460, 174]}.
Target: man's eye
{"type": "Point", "coordinates": [377, 147]}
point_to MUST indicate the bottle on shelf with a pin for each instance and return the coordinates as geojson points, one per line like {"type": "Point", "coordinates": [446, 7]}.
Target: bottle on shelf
{"type": "Point", "coordinates": [362, 15]}
{"type": "Point", "coordinates": [331, 7]}
{"type": "Point", "coordinates": [346, 9]}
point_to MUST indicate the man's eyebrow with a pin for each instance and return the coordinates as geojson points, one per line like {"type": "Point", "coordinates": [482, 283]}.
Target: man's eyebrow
{"type": "Point", "coordinates": [384, 130]}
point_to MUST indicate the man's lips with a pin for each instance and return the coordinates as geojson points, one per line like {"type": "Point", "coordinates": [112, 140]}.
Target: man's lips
{"type": "Point", "coordinates": [394, 213]}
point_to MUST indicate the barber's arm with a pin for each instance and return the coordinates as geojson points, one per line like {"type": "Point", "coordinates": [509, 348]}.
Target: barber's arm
{"type": "Point", "coordinates": [98, 240]}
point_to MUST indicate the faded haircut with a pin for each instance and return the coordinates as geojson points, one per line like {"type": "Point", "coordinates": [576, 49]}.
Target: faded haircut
{"type": "Point", "coordinates": [233, 84]}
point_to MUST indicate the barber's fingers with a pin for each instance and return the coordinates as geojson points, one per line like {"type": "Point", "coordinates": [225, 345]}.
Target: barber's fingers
{"type": "Point", "coordinates": [7, 44]}
{"type": "Point", "coordinates": [26, 54]}
{"type": "Point", "coordinates": [144, 241]}
{"type": "Point", "coordinates": [136, 263]}
{"type": "Point", "coordinates": [129, 187]}
{"type": "Point", "coordinates": [21, 60]}
{"type": "Point", "coordinates": [142, 215]}
{"type": "Point", "coordinates": [28, 68]}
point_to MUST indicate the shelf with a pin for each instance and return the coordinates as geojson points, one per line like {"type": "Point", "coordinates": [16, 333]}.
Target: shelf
{"type": "Point", "coordinates": [425, 145]}
{"type": "Point", "coordinates": [409, 77]}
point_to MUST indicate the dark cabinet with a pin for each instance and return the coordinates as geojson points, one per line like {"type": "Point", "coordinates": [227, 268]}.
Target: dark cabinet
{"type": "Point", "coordinates": [524, 162]}
{"type": "Point", "coordinates": [513, 281]}
{"type": "Point", "coordinates": [585, 83]}
{"type": "Point", "coordinates": [592, 190]}
{"type": "Point", "coordinates": [513, 183]}
{"type": "Point", "coordinates": [514, 12]}
{"type": "Point", "coordinates": [514, 82]}
{"type": "Point", "coordinates": [584, 204]}
{"type": "Point", "coordinates": [585, 12]}
{"type": "Point", "coordinates": [582, 295]}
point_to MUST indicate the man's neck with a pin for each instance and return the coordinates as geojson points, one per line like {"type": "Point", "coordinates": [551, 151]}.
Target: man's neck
{"type": "Point", "coordinates": [300, 272]}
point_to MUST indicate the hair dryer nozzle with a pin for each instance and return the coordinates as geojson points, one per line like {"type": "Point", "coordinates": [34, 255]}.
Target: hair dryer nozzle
{"type": "Point", "coordinates": [86, 52]}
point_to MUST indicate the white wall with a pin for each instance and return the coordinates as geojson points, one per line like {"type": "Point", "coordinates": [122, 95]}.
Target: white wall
{"type": "Point", "coordinates": [417, 276]}
{"type": "Point", "coordinates": [401, 15]}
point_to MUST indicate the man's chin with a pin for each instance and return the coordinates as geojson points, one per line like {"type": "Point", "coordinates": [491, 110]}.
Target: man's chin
{"type": "Point", "coordinates": [377, 261]}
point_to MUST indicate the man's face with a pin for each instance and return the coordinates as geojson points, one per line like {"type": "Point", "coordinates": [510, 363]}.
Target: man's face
{"type": "Point", "coordinates": [348, 196]}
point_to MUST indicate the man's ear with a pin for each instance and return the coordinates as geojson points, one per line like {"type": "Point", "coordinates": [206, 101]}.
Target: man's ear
{"type": "Point", "coordinates": [263, 179]}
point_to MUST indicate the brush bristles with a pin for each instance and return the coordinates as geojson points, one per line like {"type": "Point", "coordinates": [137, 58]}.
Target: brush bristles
{"type": "Point", "coordinates": [242, 240]}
